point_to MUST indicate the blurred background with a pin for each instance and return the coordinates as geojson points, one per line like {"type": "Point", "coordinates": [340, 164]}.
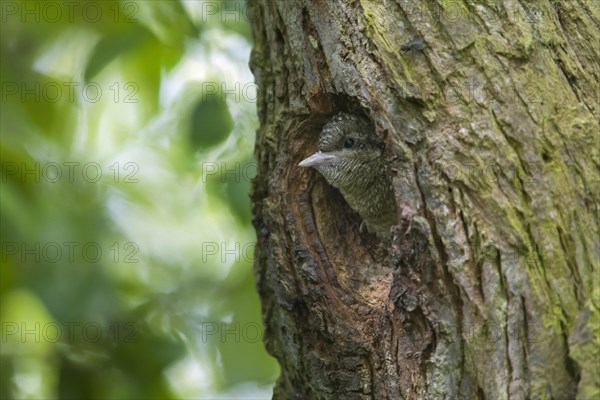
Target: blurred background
{"type": "Point", "coordinates": [127, 134]}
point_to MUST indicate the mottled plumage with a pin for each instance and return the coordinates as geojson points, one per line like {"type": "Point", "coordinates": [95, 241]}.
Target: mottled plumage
{"type": "Point", "coordinates": [351, 158]}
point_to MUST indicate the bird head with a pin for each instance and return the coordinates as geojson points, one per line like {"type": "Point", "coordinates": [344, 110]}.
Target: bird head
{"type": "Point", "coordinates": [351, 158]}
{"type": "Point", "coordinates": [349, 151]}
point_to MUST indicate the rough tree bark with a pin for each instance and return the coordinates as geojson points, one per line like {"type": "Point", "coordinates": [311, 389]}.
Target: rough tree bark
{"type": "Point", "coordinates": [489, 287]}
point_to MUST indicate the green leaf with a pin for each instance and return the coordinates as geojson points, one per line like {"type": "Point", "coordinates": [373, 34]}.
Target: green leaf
{"type": "Point", "coordinates": [211, 123]}
{"type": "Point", "coordinates": [112, 46]}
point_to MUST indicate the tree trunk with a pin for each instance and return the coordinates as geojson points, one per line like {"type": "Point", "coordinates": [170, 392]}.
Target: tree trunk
{"type": "Point", "coordinates": [489, 285]}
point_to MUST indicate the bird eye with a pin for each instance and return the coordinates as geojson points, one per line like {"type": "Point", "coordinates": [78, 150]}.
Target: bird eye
{"type": "Point", "coordinates": [348, 143]}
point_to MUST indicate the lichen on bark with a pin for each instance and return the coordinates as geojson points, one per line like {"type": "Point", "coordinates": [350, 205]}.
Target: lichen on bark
{"type": "Point", "coordinates": [489, 287]}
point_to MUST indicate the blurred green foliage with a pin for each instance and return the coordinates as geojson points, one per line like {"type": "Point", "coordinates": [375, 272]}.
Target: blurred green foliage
{"type": "Point", "coordinates": [126, 138]}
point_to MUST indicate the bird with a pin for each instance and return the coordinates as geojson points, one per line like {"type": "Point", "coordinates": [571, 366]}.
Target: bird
{"type": "Point", "coordinates": [352, 159]}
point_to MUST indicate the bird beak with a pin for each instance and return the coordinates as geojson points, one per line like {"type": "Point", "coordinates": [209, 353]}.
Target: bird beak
{"type": "Point", "coordinates": [317, 159]}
